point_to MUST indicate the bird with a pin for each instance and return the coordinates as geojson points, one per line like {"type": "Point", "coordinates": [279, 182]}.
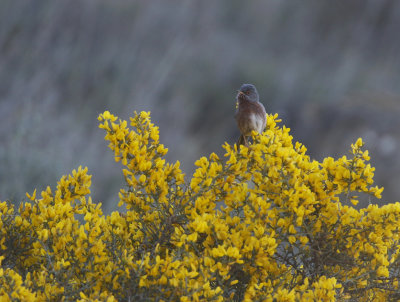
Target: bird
{"type": "Point", "coordinates": [250, 113]}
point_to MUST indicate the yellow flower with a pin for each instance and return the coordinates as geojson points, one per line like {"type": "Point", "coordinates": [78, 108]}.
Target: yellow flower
{"type": "Point", "coordinates": [267, 222]}
{"type": "Point", "coordinates": [142, 178]}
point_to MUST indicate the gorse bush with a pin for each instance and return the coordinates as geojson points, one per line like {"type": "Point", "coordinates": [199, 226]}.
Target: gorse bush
{"type": "Point", "coordinates": [266, 223]}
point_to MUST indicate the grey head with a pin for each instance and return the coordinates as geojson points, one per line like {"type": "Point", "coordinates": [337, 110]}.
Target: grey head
{"type": "Point", "coordinates": [249, 91]}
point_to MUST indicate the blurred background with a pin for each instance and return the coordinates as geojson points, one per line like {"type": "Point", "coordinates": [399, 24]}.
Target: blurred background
{"type": "Point", "coordinates": [330, 69]}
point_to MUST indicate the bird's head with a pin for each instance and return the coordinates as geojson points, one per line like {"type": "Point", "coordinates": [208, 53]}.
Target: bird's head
{"type": "Point", "coordinates": [249, 92]}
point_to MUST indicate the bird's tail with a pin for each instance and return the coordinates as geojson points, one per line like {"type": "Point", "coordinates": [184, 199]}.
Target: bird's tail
{"type": "Point", "coordinates": [241, 141]}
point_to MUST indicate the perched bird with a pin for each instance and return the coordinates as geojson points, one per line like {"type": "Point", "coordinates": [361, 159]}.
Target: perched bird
{"type": "Point", "coordinates": [250, 114]}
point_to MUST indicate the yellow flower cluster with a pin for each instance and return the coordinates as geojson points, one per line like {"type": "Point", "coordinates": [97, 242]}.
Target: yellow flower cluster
{"type": "Point", "coordinates": [265, 223]}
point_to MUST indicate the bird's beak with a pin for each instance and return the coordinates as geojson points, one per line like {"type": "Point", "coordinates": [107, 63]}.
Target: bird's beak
{"type": "Point", "coordinates": [240, 92]}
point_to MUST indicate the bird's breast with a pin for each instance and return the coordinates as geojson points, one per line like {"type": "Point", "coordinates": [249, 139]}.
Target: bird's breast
{"type": "Point", "coordinates": [250, 116]}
